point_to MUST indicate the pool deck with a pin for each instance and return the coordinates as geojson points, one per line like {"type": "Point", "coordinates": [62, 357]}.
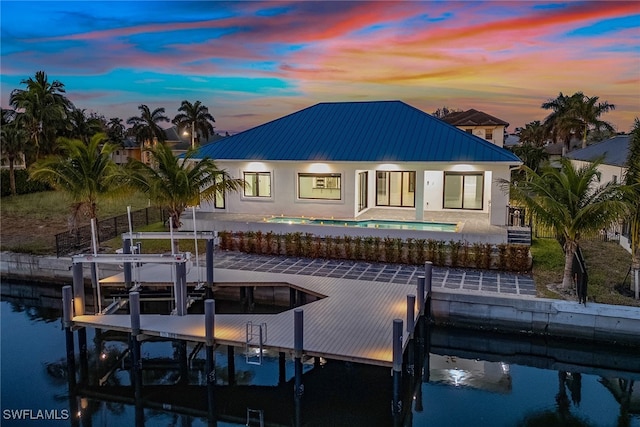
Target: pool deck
{"type": "Point", "coordinates": [472, 226]}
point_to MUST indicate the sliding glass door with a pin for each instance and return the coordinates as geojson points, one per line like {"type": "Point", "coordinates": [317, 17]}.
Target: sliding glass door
{"type": "Point", "coordinates": [395, 188]}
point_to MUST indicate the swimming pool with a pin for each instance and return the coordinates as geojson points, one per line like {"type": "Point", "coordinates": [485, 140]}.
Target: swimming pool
{"type": "Point", "coordinates": [369, 223]}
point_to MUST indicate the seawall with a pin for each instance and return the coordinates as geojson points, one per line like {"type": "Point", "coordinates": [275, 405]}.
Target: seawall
{"type": "Point", "coordinates": [540, 316]}
{"type": "Point", "coordinates": [45, 269]}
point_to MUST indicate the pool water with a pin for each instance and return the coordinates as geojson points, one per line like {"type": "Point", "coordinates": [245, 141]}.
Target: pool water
{"type": "Point", "coordinates": [369, 223]}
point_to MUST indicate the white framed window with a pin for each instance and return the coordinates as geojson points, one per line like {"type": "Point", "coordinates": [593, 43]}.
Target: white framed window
{"type": "Point", "coordinates": [257, 184]}
{"type": "Point", "coordinates": [488, 134]}
{"type": "Point", "coordinates": [320, 186]}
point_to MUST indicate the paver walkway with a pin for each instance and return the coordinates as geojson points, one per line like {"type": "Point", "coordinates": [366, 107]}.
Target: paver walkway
{"type": "Point", "coordinates": [468, 280]}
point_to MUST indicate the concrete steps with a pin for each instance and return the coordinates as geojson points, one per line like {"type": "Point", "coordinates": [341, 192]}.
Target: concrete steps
{"type": "Point", "coordinates": [519, 235]}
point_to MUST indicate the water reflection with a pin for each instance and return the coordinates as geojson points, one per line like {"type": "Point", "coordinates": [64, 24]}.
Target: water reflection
{"type": "Point", "coordinates": [467, 379]}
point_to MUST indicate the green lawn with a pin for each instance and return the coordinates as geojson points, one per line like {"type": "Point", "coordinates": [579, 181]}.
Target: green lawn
{"type": "Point", "coordinates": [607, 267]}
{"type": "Point", "coordinates": [157, 246]}
{"type": "Point", "coordinates": [30, 221]}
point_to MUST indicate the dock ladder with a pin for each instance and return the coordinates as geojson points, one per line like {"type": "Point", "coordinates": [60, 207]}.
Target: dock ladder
{"type": "Point", "coordinates": [255, 417]}
{"type": "Point", "coordinates": [256, 337]}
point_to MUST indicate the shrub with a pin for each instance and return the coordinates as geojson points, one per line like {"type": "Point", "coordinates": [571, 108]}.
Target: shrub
{"type": "Point", "coordinates": [24, 185]}
{"type": "Point", "coordinates": [454, 253]}
{"type": "Point", "coordinates": [307, 246]}
{"type": "Point", "coordinates": [357, 247]}
{"type": "Point", "coordinates": [250, 245]}
{"type": "Point", "coordinates": [241, 245]}
{"type": "Point", "coordinates": [346, 241]}
{"type": "Point", "coordinates": [465, 259]}
{"type": "Point", "coordinates": [328, 247]}
{"type": "Point", "coordinates": [432, 250]}
{"type": "Point", "coordinates": [289, 247]}
{"type": "Point", "coordinates": [226, 240]}
{"type": "Point", "coordinates": [502, 256]}
{"type": "Point", "coordinates": [269, 238]}
{"type": "Point", "coordinates": [421, 245]}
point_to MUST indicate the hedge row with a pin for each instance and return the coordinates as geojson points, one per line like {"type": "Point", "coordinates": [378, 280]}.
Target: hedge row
{"type": "Point", "coordinates": [505, 257]}
{"type": "Point", "coordinates": [23, 184]}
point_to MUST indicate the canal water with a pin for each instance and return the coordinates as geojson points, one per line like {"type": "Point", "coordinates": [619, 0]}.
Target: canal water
{"type": "Point", "coordinates": [472, 379]}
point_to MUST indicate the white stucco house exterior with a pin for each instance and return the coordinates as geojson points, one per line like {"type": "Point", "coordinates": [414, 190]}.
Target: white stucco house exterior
{"type": "Point", "coordinates": [480, 124]}
{"type": "Point", "coordinates": [353, 160]}
{"type": "Point", "coordinates": [614, 153]}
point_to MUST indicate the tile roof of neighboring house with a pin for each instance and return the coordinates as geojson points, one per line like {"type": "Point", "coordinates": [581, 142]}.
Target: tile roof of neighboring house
{"type": "Point", "coordinates": [380, 131]}
{"type": "Point", "coordinates": [615, 151]}
{"type": "Point", "coordinates": [473, 118]}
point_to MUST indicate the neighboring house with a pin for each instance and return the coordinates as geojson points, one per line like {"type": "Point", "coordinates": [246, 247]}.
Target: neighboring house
{"type": "Point", "coordinates": [178, 141]}
{"type": "Point", "coordinates": [344, 159]}
{"type": "Point", "coordinates": [480, 124]}
{"type": "Point", "coordinates": [18, 163]}
{"type": "Point", "coordinates": [614, 153]}
{"type": "Point", "coordinates": [129, 149]}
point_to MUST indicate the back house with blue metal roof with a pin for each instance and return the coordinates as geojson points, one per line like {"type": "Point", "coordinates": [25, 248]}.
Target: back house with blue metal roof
{"type": "Point", "coordinates": [344, 159]}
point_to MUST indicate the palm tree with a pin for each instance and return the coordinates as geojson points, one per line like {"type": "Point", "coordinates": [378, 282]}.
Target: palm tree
{"type": "Point", "coordinates": [145, 126]}
{"type": "Point", "coordinates": [533, 134]}
{"type": "Point", "coordinates": [532, 157]}
{"type": "Point", "coordinates": [14, 143]}
{"type": "Point", "coordinates": [42, 108]}
{"type": "Point", "coordinates": [83, 126]}
{"type": "Point", "coordinates": [632, 180]}
{"type": "Point", "coordinates": [575, 115]}
{"type": "Point", "coordinates": [197, 119]}
{"type": "Point", "coordinates": [587, 111]}
{"type": "Point", "coordinates": [556, 123]}
{"type": "Point", "coordinates": [569, 201]}
{"type": "Point", "coordinates": [175, 183]}
{"type": "Point", "coordinates": [115, 131]}
{"type": "Point", "coordinates": [85, 172]}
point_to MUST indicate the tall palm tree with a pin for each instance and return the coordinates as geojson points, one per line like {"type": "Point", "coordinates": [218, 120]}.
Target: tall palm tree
{"type": "Point", "coordinates": [632, 180]}
{"type": "Point", "coordinates": [145, 126]}
{"type": "Point", "coordinates": [194, 118]}
{"type": "Point", "coordinates": [576, 115]}
{"type": "Point", "coordinates": [532, 133]}
{"type": "Point", "coordinates": [587, 111]}
{"type": "Point", "coordinates": [43, 108]}
{"type": "Point", "coordinates": [13, 146]}
{"type": "Point", "coordinates": [175, 183]}
{"type": "Point", "coordinates": [85, 172]}
{"type": "Point", "coordinates": [556, 124]}
{"type": "Point", "coordinates": [571, 202]}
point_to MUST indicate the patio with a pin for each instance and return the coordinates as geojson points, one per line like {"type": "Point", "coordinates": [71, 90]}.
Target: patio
{"type": "Point", "coordinates": [472, 226]}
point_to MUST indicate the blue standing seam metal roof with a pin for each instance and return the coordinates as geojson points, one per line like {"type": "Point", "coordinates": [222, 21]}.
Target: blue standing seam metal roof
{"type": "Point", "coordinates": [377, 131]}
{"type": "Point", "coordinates": [615, 151]}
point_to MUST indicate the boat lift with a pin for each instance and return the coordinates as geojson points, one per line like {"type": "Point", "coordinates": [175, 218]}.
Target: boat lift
{"type": "Point", "coordinates": [180, 274]}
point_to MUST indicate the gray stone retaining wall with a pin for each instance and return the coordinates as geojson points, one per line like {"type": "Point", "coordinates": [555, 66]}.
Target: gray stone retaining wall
{"type": "Point", "coordinates": [598, 322]}
{"type": "Point", "coordinates": [44, 268]}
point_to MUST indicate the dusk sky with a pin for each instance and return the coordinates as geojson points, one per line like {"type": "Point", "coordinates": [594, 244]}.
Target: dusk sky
{"type": "Point", "coordinates": [251, 62]}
